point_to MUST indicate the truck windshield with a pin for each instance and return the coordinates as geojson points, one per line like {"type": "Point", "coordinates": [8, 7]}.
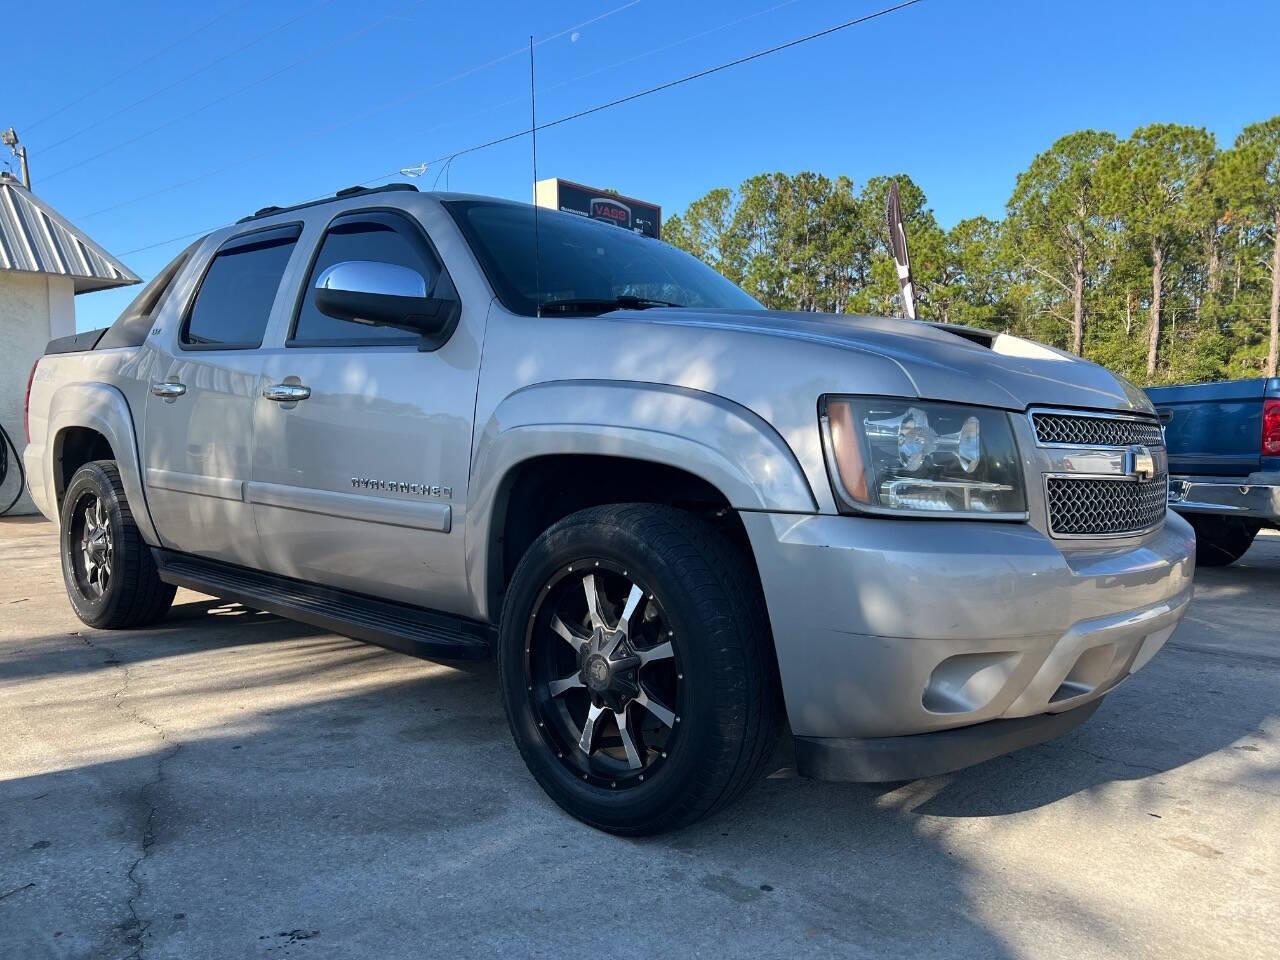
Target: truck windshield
{"type": "Point", "coordinates": [586, 266]}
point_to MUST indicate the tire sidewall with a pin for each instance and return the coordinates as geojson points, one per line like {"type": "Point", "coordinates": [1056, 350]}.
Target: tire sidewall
{"type": "Point", "coordinates": [619, 810]}
{"type": "Point", "coordinates": [91, 479]}
{"type": "Point", "coordinates": [1221, 541]}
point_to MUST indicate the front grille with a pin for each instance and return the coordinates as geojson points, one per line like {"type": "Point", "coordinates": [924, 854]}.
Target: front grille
{"type": "Point", "coordinates": [1096, 431]}
{"type": "Point", "coordinates": [1092, 507]}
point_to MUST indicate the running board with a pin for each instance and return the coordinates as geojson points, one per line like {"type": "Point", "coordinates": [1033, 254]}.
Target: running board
{"type": "Point", "coordinates": [397, 626]}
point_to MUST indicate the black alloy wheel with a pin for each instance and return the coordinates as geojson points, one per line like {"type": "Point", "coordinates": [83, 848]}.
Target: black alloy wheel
{"type": "Point", "coordinates": [109, 571]}
{"type": "Point", "coordinates": [637, 668]}
{"type": "Point", "coordinates": [92, 545]}
{"type": "Point", "coordinates": [605, 675]}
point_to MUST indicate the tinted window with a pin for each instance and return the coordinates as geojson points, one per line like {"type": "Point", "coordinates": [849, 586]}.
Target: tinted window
{"type": "Point", "coordinates": [583, 259]}
{"type": "Point", "coordinates": [370, 235]}
{"type": "Point", "coordinates": [132, 326]}
{"type": "Point", "coordinates": [235, 298]}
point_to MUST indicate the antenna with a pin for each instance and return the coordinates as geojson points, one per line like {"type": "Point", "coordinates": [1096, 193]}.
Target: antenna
{"type": "Point", "coordinates": [537, 240]}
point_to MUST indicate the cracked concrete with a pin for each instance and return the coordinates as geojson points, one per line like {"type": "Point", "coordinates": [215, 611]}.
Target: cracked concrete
{"type": "Point", "coordinates": [135, 929]}
{"type": "Point", "coordinates": [230, 785]}
{"type": "Point", "coordinates": [139, 926]}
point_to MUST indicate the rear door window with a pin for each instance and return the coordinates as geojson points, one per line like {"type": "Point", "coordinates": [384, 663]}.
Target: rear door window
{"type": "Point", "coordinates": [231, 309]}
{"type": "Point", "coordinates": [377, 235]}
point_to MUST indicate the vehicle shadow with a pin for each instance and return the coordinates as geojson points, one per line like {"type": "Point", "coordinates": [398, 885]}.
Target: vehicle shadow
{"type": "Point", "coordinates": [236, 779]}
{"type": "Point", "coordinates": [190, 625]}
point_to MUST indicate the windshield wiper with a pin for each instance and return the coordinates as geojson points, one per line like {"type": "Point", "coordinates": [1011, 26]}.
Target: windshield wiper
{"type": "Point", "coordinates": [600, 305]}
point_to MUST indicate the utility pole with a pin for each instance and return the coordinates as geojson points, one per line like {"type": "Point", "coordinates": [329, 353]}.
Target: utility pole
{"type": "Point", "coordinates": [10, 138]}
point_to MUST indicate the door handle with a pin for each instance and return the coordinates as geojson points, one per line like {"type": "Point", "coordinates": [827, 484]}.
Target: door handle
{"type": "Point", "coordinates": [286, 392]}
{"type": "Point", "coordinates": [169, 389]}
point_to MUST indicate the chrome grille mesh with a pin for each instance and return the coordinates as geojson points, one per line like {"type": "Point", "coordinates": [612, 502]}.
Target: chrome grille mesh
{"type": "Point", "coordinates": [1096, 431]}
{"type": "Point", "coordinates": [1088, 506]}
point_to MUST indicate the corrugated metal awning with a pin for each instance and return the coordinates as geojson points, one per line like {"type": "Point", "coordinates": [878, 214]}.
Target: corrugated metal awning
{"type": "Point", "coordinates": [35, 238]}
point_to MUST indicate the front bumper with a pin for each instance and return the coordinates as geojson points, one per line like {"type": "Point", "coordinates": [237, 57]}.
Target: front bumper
{"type": "Point", "coordinates": [1257, 501]}
{"type": "Point", "coordinates": [890, 628]}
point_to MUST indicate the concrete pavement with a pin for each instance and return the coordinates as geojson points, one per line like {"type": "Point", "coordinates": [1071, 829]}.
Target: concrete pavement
{"type": "Point", "coordinates": [231, 785]}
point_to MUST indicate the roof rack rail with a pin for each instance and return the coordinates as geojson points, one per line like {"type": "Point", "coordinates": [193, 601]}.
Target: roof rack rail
{"type": "Point", "coordinates": [340, 195]}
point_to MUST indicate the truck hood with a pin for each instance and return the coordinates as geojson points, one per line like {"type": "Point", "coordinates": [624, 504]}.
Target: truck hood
{"type": "Point", "coordinates": [943, 362]}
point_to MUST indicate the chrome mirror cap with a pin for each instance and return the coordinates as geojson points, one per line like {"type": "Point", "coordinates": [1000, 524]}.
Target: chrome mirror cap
{"type": "Point", "coordinates": [373, 277]}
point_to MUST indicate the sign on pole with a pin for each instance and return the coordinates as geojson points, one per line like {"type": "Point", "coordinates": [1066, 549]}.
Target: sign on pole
{"type": "Point", "coordinates": [626, 212]}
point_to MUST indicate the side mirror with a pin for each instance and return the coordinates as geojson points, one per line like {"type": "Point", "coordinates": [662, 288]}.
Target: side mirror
{"type": "Point", "coordinates": [382, 295]}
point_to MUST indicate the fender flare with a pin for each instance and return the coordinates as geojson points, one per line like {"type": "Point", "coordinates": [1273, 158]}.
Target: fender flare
{"type": "Point", "coordinates": [715, 439]}
{"type": "Point", "coordinates": [103, 408]}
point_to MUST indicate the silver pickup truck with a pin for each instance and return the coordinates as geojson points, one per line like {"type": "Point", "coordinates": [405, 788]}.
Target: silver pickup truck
{"type": "Point", "coordinates": [458, 427]}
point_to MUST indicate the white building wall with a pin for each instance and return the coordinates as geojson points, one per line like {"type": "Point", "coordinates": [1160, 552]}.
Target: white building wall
{"type": "Point", "coordinates": [62, 307]}
{"type": "Point", "coordinates": [32, 307]}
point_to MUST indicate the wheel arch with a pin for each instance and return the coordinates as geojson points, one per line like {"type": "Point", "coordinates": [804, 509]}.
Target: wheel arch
{"type": "Point", "coordinates": [73, 447]}
{"type": "Point", "coordinates": [92, 421]}
{"type": "Point", "coordinates": [555, 448]}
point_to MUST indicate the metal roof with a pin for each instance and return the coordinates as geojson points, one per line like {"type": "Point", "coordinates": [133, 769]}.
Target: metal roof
{"type": "Point", "coordinates": [35, 238]}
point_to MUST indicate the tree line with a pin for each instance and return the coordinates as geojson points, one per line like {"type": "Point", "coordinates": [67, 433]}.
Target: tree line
{"type": "Point", "coordinates": [1157, 256]}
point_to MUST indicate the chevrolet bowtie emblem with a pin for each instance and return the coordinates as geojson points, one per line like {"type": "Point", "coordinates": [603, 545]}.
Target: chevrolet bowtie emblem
{"type": "Point", "coordinates": [1139, 463]}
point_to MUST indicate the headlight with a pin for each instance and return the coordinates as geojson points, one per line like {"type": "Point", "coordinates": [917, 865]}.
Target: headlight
{"type": "Point", "coordinates": [906, 456]}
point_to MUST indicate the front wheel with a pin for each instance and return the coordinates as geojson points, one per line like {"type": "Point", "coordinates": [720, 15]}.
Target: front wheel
{"type": "Point", "coordinates": [636, 668]}
{"type": "Point", "coordinates": [111, 576]}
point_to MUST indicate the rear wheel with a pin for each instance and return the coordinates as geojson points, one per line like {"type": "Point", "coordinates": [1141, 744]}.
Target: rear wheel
{"type": "Point", "coordinates": [636, 668]}
{"type": "Point", "coordinates": [1221, 540]}
{"type": "Point", "coordinates": [111, 577]}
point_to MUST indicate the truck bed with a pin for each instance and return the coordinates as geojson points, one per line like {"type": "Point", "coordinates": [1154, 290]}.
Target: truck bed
{"type": "Point", "coordinates": [1215, 429]}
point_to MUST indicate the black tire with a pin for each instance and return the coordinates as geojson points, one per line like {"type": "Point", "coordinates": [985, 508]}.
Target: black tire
{"type": "Point", "coordinates": [1221, 541]}
{"type": "Point", "coordinates": [727, 698]}
{"type": "Point", "coordinates": [121, 588]}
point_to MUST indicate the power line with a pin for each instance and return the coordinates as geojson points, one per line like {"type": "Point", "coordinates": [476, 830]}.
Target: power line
{"type": "Point", "coordinates": [165, 243]}
{"type": "Point", "coordinates": [732, 63]}
{"type": "Point", "coordinates": [612, 65]}
{"type": "Point", "coordinates": [443, 171]}
{"type": "Point", "coordinates": [97, 88]}
{"type": "Point", "coordinates": [379, 108]}
{"type": "Point", "coordinates": [649, 91]}
{"type": "Point", "coordinates": [211, 173]}
{"type": "Point", "coordinates": [675, 83]}
{"type": "Point", "coordinates": [237, 91]}
{"type": "Point", "coordinates": [194, 73]}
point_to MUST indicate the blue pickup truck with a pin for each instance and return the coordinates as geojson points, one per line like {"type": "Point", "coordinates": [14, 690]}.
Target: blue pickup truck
{"type": "Point", "coordinates": [1224, 461]}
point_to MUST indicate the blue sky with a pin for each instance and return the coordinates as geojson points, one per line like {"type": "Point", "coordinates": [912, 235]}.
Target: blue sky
{"type": "Point", "coordinates": [960, 95]}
